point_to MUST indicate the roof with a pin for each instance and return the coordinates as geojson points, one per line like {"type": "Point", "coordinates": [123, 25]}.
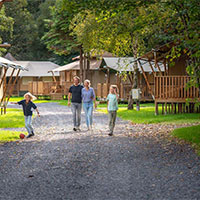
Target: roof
{"type": "Point", "coordinates": [126, 64]}
{"type": "Point", "coordinates": [160, 52]}
{"type": "Point", "coordinates": [9, 64]}
{"type": "Point", "coordinates": [10, 57]}
{"type": "Point", "coordinates": [97, 55]}
{"type": "Point", "coordinates": [36, 68]}
{"type": "Point", "coordinates": [94, 65]}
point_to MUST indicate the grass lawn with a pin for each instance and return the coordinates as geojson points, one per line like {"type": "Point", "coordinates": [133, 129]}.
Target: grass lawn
{"type": "Point", "coordinates": [61, 102]}
{"type": "Point", "coordinates": [147, 115]}
{"type": "Point", "coordinates": [13, 119]}
{"type": "Point", "coordinates": [8, 136]}
{"type": "Point", "coordinates": [189, 134]}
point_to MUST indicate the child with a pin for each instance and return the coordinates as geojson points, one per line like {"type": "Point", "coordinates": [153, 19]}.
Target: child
{"type": "Point", "coordinates": [112, 99]}
{"type": "Point", "coordinates": [28, 107]}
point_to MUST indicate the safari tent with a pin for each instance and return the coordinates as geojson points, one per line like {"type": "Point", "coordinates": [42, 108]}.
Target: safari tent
{"type": "Point", "coordinates": [6, 87]}
{"type": "Point", "coordinates": [170, 87]}
{"type": "Point", "coordinates": [36, 79]}
{"type": "Point", "coordinates": [119, 65]}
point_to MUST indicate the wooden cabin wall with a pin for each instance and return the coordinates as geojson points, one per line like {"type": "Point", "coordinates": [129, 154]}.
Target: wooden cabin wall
{"type": "Point", "coordinates": [179, 68]}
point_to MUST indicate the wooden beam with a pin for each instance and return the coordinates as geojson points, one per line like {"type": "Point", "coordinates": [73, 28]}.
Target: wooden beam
{"type": "Point", "coordinates": [12, 86]}
{"type": "Point", "coordinates": [5, 45]}
{"type": "Point", "coordinates": [1, 81]}
{"type": "Point", "coordinates": [145, 77]}
{"type": "Point", "coordinates": [154, 73]}
{"type": "Point", "coordinates": [156, 63]}
{"type": "Point", "coordinates": [7, 86]}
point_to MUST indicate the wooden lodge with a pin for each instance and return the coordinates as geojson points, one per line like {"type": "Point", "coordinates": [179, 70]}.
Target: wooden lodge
{"type": "Point", "coordinates": [171, 87]}
{"type": "Point", "coordinates": [36, 79]}
{"type": "Point", "coordinates": [105, 71]}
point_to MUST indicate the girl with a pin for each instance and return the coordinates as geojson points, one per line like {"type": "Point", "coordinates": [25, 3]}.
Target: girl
{"type": "Point", "coordinates": [28, 107]}
{"type": "Point", "coordinates": [88, 97]}
{"type": "Point", "coordinates": [112, 99]}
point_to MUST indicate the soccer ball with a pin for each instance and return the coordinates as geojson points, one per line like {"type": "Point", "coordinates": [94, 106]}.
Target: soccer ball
{"type": "Point", "coordinates": [22, 136]}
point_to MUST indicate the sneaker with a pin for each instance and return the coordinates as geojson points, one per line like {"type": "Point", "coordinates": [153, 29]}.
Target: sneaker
{"type": "Point", "coordinates": [74, 129]}
{"type": "Point", "coordinates": [33, 133]}
{"type": "Point", "coordinates": [110, 134]}
{"type": "Point", "coordinates": [29, 135]}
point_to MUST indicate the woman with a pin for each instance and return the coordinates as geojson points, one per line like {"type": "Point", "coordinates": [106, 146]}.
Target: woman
{"type": "Point", "coordinates": [88, 97]}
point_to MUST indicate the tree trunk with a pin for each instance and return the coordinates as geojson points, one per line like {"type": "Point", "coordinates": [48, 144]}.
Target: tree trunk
{"type": "Point", "coordinates": [81, 64]}
{"type": "Point", "coordinates": [135, 72]}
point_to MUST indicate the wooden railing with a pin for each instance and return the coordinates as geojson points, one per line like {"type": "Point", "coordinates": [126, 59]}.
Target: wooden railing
{"type": "Point", "coordinates": [174, 87]}
{"type": "Point", "coordinates": [43, 88]}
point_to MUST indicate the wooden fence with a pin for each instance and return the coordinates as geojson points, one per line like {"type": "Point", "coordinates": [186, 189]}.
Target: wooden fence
{"type": "Point", "coordinates": [40, 88]}
{"type": "Point", "coordinates": [174, 88]}
{"type": "Point", "coordinates": [175, 95]}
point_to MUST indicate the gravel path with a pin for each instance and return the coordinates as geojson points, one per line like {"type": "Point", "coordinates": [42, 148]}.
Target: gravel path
{"type": "Point", "coordinates": [138, 163]}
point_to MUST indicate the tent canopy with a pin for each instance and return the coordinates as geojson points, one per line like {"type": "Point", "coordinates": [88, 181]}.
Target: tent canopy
{"type": "Point", "coordinates": [7, 63]}
{"type": "Point", "coordinates": [35, 68]}
{"type": "Point", "coordinates": [126, 64]}
{"type": "Point", "coordinates": [94, 65]}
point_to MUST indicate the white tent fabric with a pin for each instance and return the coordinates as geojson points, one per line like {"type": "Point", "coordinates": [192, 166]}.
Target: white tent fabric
{"type": "Point", "coordinates": [36, 69]}
{"type": "Point", "coordinates": [126, 64]}
{"type": "Point", "coordinates": [94, 65]}
{"type": "Point", "coordinates": [7, 63]}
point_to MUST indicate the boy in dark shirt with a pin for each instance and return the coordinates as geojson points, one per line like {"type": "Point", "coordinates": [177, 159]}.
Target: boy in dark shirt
{"type": "Point", "coordinates": [76, 102]}
{"type": "Point", "coordinates": [28, 107]}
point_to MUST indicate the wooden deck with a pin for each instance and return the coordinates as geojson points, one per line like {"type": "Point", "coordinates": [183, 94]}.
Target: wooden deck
{"type": "Point", "coordinates": [175, 95]}
{"type": "Point", "coordinates": [40, 88]}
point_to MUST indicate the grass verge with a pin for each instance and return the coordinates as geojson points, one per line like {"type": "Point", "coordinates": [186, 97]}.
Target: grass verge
{"type": "Point", "coordinates": [13, 119]}
{"type": "Point", "coordinates": [8, 136]}
{"type": "Point", "coordinates": [146, 115]}
{"type": "Point", "coordinates": [189, 134]}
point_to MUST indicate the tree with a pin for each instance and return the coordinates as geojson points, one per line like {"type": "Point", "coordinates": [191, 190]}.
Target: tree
{"type": "Point", "coordinates": [6, 26]}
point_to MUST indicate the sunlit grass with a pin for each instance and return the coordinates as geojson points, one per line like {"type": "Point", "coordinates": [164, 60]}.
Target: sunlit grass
{"type": "Point", "coordinates": [147, 115]}
{"type": "Point", "coordinates": [13, 119]}
{"type": "Point", "coordinates": [61, 102]}
{"type": "Point", "coordinates": [8, 136]}
{"type": "Point", "coordinates": [189, 134]}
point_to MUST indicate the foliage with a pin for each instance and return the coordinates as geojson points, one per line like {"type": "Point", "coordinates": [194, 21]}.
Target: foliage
{"type": "Point", "coordinates": [6, 26]}
{"type": "Point", "coordinates": [58, 38]}
{"type": "Point", "coordinates": [189, 134]}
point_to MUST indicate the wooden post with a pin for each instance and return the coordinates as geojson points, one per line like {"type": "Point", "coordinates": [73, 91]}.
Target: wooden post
{"type": "Point", "coordinates": [81, 64]}
{"type": "Point", "coordinates": [4, 75]}
{"type": "Point", "coordinates": [156, 108]}
{"type": "Point", "coordinates": [156, 63]}
{"type": "Point", "coordinates": [172, 110]}
{"type": "Point", "coordinates": [162, 108]}
{"type": "Point", "coordinates": [7, 86]}
{"type": "Point", "coordinates": [145, 77]}
{"type": "Point", "coordinates": [154, 73]}
{"type": "Point", "coordinates": [165, 108]}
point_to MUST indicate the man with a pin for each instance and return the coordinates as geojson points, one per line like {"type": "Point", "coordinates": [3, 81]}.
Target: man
{"type": "Point", "coordinates": [76, 102]}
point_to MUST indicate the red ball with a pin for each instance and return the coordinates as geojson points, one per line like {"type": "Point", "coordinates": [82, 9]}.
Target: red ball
{"type": "Point", "coordinates": [22, 136]}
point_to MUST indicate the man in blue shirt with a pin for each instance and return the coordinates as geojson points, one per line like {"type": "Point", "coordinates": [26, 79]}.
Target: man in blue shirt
{"type": "Point", "coordinates": [76, 102]}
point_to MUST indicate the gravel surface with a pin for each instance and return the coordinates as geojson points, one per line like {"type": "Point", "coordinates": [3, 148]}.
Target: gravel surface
{"type": "Point", "coordinates": [138, 162]}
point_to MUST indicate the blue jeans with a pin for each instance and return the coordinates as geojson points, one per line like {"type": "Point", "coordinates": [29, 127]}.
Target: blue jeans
{"type": "Point", "coordinates": [28, 124]}
{"type": "Point", "coordinates": [76, 112]}
{"type": "Point", "coordinates": [88, 109]}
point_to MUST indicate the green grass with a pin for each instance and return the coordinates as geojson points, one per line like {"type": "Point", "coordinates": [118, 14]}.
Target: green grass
{"type": "Point", "coordinates": [189, 134]}
{"type": "Point", "coordinates": [147, 115]}
{"type": "Point", "coordinates": [13, 119]}
{"type": "Point", "coordinates": [8, 136]}
{"type": "Point", "coordinates": [61, 102]}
